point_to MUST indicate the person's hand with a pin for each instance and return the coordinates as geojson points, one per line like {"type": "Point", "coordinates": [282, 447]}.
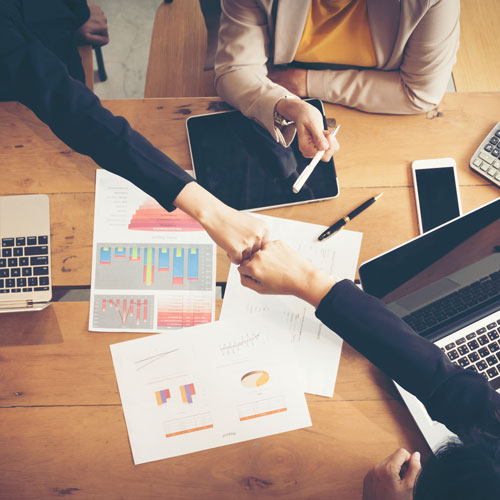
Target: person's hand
{"type": "Point", "coordinates": [309, 122]}
{"type": "Point", "coordinates": [388, 481]}
{"type": "Point", "coordinates": [238, 233]}
{"type": "Point", "coordinates": [293, 79]}
{"type": "Point", "coordinates": [277, 269]}
{"type": "Point", "coordinates": [95, 30]}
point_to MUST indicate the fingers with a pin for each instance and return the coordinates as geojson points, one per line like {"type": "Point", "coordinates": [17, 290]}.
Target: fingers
{"type": "Point", "coordinates": [333, 146]}
{"type": "Point", "coordinates": [414, 468]}
{"type": "Point", "coordinates": [397, 459]}
{"type": "Point", "coordinates": [313, 139]}
{"type": "Point", "coordinates": [96, 39]}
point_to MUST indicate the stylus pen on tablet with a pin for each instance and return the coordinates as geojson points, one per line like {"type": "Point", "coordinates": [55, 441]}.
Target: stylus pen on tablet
{"type": "Point", "coordinates": [302, 178]}
{"type": "Point", "coordinates": [342, 222]}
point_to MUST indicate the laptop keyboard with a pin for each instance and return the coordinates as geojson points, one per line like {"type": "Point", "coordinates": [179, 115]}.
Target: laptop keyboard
{"type": "Point", "coordinates": [478, 351]}
{"type": "Point", "coordinates": [24, 264]}
{"type": "Point", "coordinates": [456, 303]}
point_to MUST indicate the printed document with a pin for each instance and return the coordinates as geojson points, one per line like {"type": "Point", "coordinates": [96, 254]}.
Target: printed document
{"type": "Point", "coordinates": [318, 348]}
{"type": "Point", "coordinates": [207, 386]}
{"type": "Point", "coordinates": [152, 270]}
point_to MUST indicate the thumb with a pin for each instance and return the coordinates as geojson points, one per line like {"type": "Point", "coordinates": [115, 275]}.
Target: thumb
{"type": "Point", "coordinates": [414, 468]}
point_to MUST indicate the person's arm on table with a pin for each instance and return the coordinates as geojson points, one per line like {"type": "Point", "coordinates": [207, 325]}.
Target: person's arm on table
{"type": "Point", "coordinates": [417, 86]}
{"type": "Point", "coordinates": [460, 399]}
{"type": "Point", "coordinates": [241, 80]}
{"type": "Point", "coordinates": [31, 74]}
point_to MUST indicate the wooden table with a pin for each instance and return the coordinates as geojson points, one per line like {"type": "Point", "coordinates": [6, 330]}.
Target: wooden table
{"type": "Point", "coordinates": [62, 430]}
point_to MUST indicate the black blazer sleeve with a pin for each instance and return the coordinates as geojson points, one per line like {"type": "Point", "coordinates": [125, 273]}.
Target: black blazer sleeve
{"type": "Point", "coordinates": [458, 398]}
{"type": "Point", "coordinates": [34, 76]}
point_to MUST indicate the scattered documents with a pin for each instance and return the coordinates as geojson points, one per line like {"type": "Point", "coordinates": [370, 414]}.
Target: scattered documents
{"type": "Point", "coordinates": [317, 347]}
{"type": "Point", "coordinates": [207, 386]}
{"type": "Point", "coordinates": [152, 270]}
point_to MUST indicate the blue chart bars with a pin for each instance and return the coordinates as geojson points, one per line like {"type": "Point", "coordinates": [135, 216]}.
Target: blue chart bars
{"type": "Point", "coordinates": [154, 267]}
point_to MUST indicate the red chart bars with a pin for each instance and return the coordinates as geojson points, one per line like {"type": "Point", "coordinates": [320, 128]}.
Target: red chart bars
{"type": "Point", "coordinates": [126, 312]}
{"type": "Point", "coordinates": [151, 216]}
{"type": "Point", "coordinates": [177, 311]}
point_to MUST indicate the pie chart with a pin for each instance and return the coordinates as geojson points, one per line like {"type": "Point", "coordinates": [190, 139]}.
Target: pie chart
{"type": "Point", "coordinates": [255, 378]}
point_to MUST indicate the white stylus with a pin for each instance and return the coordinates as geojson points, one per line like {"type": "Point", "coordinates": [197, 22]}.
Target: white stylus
{"type": "Point", "coordinates": [302, 178]}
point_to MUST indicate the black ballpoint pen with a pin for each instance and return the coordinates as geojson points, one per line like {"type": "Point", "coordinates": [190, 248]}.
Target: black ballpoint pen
{"type": "Point", "coordinates": [342, 222]}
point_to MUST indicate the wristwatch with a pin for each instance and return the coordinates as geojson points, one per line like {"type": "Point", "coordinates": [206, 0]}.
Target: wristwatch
{"type": "Point", "coordinates": [280, 120]}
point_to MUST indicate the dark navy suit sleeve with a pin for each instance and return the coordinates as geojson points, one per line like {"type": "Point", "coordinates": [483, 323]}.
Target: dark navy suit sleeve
{"type": "Point", "coordinates": [458, 398]}
{"type": "Point", "coordinates": [32, 75]}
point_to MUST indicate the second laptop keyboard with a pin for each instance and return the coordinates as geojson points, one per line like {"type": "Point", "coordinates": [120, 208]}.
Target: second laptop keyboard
{"type": "Point", "coordinates": [455, 304]}
{"type": "Point", "coordinates": [24, 264]}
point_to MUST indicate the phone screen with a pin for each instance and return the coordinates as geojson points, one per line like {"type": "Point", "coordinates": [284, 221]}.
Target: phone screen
{"type": "Point", "coordinates": [437, 196]}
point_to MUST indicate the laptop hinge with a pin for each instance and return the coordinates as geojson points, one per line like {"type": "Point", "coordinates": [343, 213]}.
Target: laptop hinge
{"type": "Point", "coordinates": [18, 304]}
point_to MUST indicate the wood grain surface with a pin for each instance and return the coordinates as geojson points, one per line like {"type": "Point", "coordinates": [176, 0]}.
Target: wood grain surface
{"type": "Point", "coordinates": [62, 430]}
{"type": "Point", "coordinates": [476, 68]}
{"type": "Point", "coordinates": [376, 154]}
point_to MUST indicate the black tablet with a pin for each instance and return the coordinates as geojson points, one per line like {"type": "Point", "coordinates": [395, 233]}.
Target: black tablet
{"type": "Point", "coordinates": [239, 162]}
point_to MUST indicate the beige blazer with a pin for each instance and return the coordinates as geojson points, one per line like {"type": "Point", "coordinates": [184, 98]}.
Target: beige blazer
{"type": "Point", "coordinates": [415, 44]}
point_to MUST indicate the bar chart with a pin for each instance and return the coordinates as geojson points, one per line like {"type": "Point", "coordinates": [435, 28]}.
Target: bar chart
{"type": "Point", "coordinates": [187, 393]}
{"type": "Point", "coordinates": [126, 312]}
{"type": "Point", "coordinates": [154, 267]}
{"type": "Point", "coordinates": [162, 396]}
{"type": "Point", "coordinates": [151, 216]}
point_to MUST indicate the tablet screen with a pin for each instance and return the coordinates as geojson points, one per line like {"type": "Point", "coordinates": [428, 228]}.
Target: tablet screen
{"type": "Point", "coordinates": [241, 164]}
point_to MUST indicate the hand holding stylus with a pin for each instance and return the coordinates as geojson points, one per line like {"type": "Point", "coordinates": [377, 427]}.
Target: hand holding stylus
{"type": "Point", "coordinates": [299, 183]}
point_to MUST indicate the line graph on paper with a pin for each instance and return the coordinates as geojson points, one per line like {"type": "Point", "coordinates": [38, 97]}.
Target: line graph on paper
{"type": "Point", "coordinates": [127, 312]}
{"type": "Point", "coordinates": [239, 346]}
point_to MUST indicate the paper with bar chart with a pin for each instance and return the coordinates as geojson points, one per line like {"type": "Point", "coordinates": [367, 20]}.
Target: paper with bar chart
{"type": "Point", "coordinates": [207, 386]}
{"type": "Point", "coordinates": [152, 270]}
{"type": "Point", "coordinates": [318, 348]}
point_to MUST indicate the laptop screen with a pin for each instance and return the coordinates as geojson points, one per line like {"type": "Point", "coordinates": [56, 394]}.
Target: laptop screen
{"type": "Point", "coordinates": [441, 278]}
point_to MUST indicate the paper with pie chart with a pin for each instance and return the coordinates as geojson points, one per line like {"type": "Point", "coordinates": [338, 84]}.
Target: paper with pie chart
{"type": "Point", "coordinates": [152, 270]}
{"type": "Point", "coordinates": [207, 386]}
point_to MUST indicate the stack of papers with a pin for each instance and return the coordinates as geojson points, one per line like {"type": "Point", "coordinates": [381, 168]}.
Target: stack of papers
{"type": "Point", "coordinates": [205, 387]}
{"type": "Point", "coordinates": [214, 384]}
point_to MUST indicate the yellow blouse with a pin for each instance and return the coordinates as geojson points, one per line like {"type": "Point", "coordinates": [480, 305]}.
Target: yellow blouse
{"type": "Point", "coordinates": [337, 32]}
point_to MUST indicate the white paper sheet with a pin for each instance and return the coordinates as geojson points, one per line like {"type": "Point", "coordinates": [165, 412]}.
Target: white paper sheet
{"type": "Point", "coordinates": [317, 347]}
{"type": "Point", "coordinates": [207, 386]}
{"type": "Point", "coordinates": [151, 270]}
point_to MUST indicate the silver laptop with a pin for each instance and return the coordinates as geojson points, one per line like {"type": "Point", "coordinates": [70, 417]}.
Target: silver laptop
{"type": "Point", "coordinates": [25, 281]}
{"type": "Point", "coordinates": [446, 285]}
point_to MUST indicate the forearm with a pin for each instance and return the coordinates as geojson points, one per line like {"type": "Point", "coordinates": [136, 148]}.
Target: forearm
{"type": "Point", "coordinates": [35, 77]}
{"type": "Point", "coordinates": [241, 75]}
{"type": "Point", "coordinates": [460, 399]}
{"type": "Point", "coordinates": [374, 91]}
{"type": "Point", "coordinates": [387, 341]}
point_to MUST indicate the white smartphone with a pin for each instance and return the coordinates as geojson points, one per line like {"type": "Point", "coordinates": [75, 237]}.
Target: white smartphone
{"type": "Point", "coordinates": [436, 192]}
